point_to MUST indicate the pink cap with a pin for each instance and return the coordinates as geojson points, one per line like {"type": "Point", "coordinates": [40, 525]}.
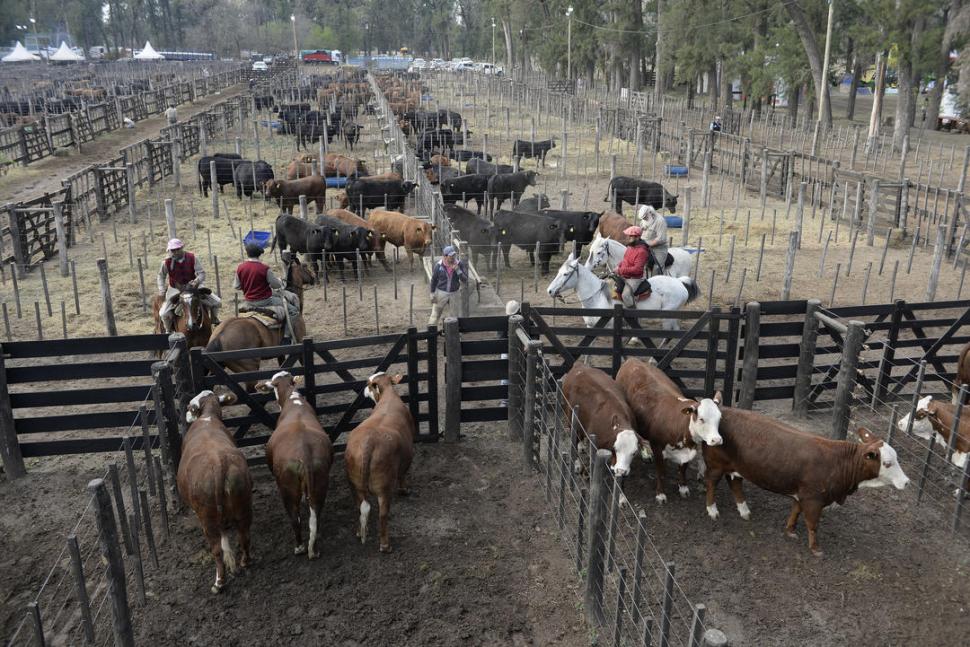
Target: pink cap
{"type": "Point", "coordinates": [175, 243]}
{"type": "Point", "coordinates": [633, 231]}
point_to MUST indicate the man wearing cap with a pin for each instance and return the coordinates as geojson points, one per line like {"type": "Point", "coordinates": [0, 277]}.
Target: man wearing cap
{"type": "Point", "coordinates": [654, 235]}
{"type": "Point", "coordinates": [447, 275]}
{"type": "Point", "coordinates": [630, 271]}
{"type": "Point", "coordinates": [260, 286]}
{"type": "Point", "coordinates": [172, 114]}
{"type": "Point", "coordinates": [181, 269]}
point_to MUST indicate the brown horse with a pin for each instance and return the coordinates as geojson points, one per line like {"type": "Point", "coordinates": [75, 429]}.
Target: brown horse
{"type": "Point", "coordinates": [238, 333]}
{"type": "Point", "coordinates": [195, 322]}
{"type": "Point", "coordinates": [297, 275]}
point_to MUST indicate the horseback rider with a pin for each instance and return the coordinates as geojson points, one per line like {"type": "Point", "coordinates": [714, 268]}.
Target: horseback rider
{"type": "Point", "coordinates": [261, 288]}
{"type": "Point", "coordinates": [180, 270]}
{"type": "Point", "coordinates": [654, 235]}
{"type": "Point", "coordinates": [630, 271]}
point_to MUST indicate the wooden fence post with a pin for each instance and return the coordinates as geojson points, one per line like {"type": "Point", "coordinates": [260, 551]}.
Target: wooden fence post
{"type": "Point", "coordinates": [452, 380]}
{"type": "Point", "coordinates": [688, 203]}
{"type": "Point", "coordinates": [13, 460]}
{"type": "Point", "coordinates": [873, 210]}
{"type": "Point", "coordinates": [806, 359]}
{"type": "Point", "coordinates": [749, 365]}
{"type": "Point", "coordinates": [130, 182]}
{"type": "Point", "coordinates": [599, 492]}
{"type": "Point", "coordinates": [793, 238]}
{"type": "Point", "coordinates": [516, 360]}
{"type": "Point", "coordinates": [937, 263]}
{"type": "Point", "coordinates": [854, 336]}
{"type": "Point", "coordinates": [165, 421]}
{"type": "Point", "coordinates": [115, 567]}
{"type": "Point", "coordinates": [109, 311]}
{"type": "Point", "coordinates": [61, 237]}
{"type": "Point", "coordinates": [529, 415]}
{"type": "Point", "coordinates": [170, 217]}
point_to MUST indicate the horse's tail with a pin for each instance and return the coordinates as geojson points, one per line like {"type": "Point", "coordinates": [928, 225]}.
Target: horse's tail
{"type": "Point", "coordinates": [609, 188]}
{"type": "Point", "coordinates": [692, 288]}
{"type": "Point", "coordinates": [214, 345]}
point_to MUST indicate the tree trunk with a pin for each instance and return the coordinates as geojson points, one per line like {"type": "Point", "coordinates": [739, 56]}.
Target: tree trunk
{"type": "Point", "coordinates": [658, 80]}
{"type": "Point", "coordinates": [877, 96]}
{"type": "Point", "coordinates": [853, 87]}
{"type": "Point", "coordinates": [906, 100]}
{"type": "Point", "coordinates": [794, 94]}
{"type": "Point", "coordinates": [690, 93]}
{"type": "Point", "coordinates": [931, 120]}
{"type": "Point", "coordinates": [807, 35]}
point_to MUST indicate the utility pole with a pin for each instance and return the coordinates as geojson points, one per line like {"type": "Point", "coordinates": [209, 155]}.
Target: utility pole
{"type": "Point", "coordinates": [296, 49]}
{"type": "Point", "coordinates": [657, 74]}
{"type": "Point", "coordinates": [823, 90]}
{"type": "Point", "coordinates": [493, 44]}
{"type": "Point", "coordinates": [569, 43]}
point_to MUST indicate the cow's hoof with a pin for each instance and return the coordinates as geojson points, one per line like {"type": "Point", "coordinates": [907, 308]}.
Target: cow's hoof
{"type": "Point", "coordinates": [817, 552]}
{"type": "Point", "coordinates": [684, 491]}
{"type": "Point", "coordinates": [623, 500]}
{"type": "Point", "coordinates": [312, 554]}
{"type": "Point", "coordinates": [661, 498]}
{"type": "Point", "coordinates": [791, 534]}
{"type": "Point", "coordinates": [385, 548]}
{"type": "Point", "coordinates": [217, 587]}
{"type": "Point", "coordinates": [712, 511]}
{"type": "Point", "coordinates": [299, 550]}
{"type": "Point", "coordinates": [744, 510]}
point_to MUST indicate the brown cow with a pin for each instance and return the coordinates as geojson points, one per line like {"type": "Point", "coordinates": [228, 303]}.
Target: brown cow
{"type": "Point", "coordinates": [612, 225]}
{"type": "Point", "coordinates": [379, 453]}
{"type": "Point", "coordinates": [402, 231]}
{"type": "Point", "coordinates": [814, 471]}
{"type": "Point", "coordinates": [299, 169]}
{"type": "Point", "coordinates": [672, 424]}
{"type": "Point", "coordinates": [603, 411]}
{"type": "Point", "coordinates": [389, 175]}
{"type": "Point", "coordinates": [300, 454]}
{"type": "Point", "coordinates": [214, 478]}
{"type": "Point", "coordinates": [440, 160]}
{"type": "Point", "coordinates": [287, 193]}
{"type": "Point", "coordinates": [940, 415]}
{"type": "Point", "coordinates": [335, 164]}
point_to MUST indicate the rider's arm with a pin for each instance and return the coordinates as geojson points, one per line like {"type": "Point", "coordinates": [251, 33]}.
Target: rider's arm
{"type": "Point", "coordinates": [162, 279]}
{"type": "Point", "coordinates": [199, 272]}
{"type": "Point", "coordinates": [235, 281]}
{"type": "Point", "coordinates": [273, 281]}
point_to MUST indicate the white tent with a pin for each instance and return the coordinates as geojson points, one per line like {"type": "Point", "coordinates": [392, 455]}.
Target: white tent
{"type": "Point", "coordinates": [148, 53]}
{"type": "Point", "coordinates": [19, 54]}
{"type": "Point", "coordinates": [64, 54]}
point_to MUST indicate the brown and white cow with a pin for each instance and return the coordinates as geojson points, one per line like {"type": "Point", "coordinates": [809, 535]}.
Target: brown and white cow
{"type": "Point", "coordinates": [940, 416]}
{"type": "Point", "coordinates": [814, 471]}
{"type": "Point", "coordinates": [214, 478]}
{"type": "Point", "coordinates": [400, 230]}
{"type": "Point", "coordinates": [379, 453]}
{"type": "Point", "coordinates": [672, 424]}
{"type": "Point", "coordinates": [300, 454]}
{"type": "Point", "coordinates": [604, 412]}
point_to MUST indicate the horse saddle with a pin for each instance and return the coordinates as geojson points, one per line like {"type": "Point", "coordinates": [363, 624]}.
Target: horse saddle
{"type": "Point", "coordinates": [652, 261]}
{"type": "Point", "coordinates": [265, 316]}
{"type": "Point", "coordinates": [642, 292]}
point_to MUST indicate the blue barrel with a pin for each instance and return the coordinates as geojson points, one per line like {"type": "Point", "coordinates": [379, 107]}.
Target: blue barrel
{"type": "Point", "coordinates": [672, 170]}
{"type": "Point", "coordinates": [674, 222]}
{"type": "Point", "coordinates": [336, 182]}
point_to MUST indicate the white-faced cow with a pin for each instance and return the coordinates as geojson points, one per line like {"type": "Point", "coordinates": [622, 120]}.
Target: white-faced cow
{"type": "Point", "coordinates": [941, 416]}
{"type": "Point", "coordinates": [813, 471]}
{"type": "Point", "coordinates": [214, 478]}
{"type": "Point", "coordinates": [672, 424]}
{"type": "Point", "coordinates": [299, 454]}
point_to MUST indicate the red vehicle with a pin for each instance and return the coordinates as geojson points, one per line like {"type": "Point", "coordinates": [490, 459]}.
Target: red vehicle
{"type": "Point", "coordinates": [317, 56]}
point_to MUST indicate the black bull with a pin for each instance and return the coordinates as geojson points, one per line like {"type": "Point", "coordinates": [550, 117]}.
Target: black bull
{"type": "Point", "coordinates": [634, 191]}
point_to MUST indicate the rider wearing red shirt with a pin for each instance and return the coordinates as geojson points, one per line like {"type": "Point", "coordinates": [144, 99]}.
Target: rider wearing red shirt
{"type": "Point", "coordinates": [630, 271]}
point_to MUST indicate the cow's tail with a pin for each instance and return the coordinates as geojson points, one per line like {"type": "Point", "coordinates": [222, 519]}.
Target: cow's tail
{"type": "Point", "coordinates": [227, 497]}
{"type": "Point", "coordinates": [609, 190]}
{"type": "Point", "coordinates": [693, 290]}
{"type": "Point", "coordinates": [367, 453]}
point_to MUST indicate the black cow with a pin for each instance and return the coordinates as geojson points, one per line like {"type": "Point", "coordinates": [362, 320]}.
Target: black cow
{"type": "Point", "coordinates": [525, 230]}
{"type": "Point", "coordinates": [436, 174]}
{"type": "Point", "coordinates": [351, 132]}
{"type": "Point", "coordinates": [444, 116]}
{"type": "Point", "coordinates": [465, 187]}
{"type": "Point", "coordinates": [533, 204]}
{"type": "Point", "coordinates": [463, 155]}
{"type": "Point", "coordinates": [537, 150]}
{"type": "Point", "coordinates": [508, 185]}
{"type": "Point", "coordinates": [367, 193]}
{"type": "Point", "coordinates": [441, 138]}
{"type": "Point", "coordinates": [300, 236]}
{"type": "Point", "coordinates": [264, 102]}
{"type": "Point", "coordinates": [249, 177]}
{"type": "Point", "coordinates": [476, 165]}
{"type": "Point", "coordinates": [480, 234]}
{"type": "Point", "coordinates": [348, 241]}
{"type": "Point", "coordinates": [225, 167]}
{"type": "Point", "coordinates": [311, 133]}
{"type": "Point", "coordinates": [578, 226]}
{"type": "Point", "coordinates": [629, 190]}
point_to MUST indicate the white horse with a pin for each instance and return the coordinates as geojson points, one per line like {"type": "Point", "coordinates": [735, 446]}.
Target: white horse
{"type": "Point", "coordinates": [610, 252]}
{"type": "Point", "coordinates": [667, 293]}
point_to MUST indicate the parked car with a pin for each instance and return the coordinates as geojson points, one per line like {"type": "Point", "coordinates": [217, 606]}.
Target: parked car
{"type": "Point", "coordinates": [417, 65]}
{"type": "Point", "coordinates": [488, 68]}
{"type": "Point", "coordinates": [260, 66]}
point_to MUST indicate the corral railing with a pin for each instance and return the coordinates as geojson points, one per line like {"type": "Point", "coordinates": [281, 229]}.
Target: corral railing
{"type": "Point", "coordinates": [630, 591]}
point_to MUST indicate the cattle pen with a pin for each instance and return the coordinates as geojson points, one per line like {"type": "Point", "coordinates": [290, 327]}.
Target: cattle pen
{"type": "Point", "coordinates": [501, 541]}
